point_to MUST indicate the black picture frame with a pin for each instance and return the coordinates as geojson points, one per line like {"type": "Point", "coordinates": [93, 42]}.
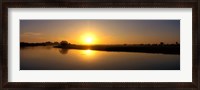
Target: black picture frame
{"type": "Point", "coordinates": [194, 4]}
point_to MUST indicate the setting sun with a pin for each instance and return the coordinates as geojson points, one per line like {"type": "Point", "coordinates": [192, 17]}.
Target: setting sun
{"type": "Point", "coordinates": [99, 44]}
{"type": "Point", "coordinates": [88, 40]}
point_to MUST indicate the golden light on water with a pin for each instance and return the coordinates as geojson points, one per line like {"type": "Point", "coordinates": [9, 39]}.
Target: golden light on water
{"type": "Point", "coordinates": [88, 55]}
{"type": "Point", "coordinates": [88, 52]}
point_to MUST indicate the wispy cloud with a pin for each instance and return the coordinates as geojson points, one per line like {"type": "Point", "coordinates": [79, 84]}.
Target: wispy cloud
{"type": "Point", "coordinates": [31, 34]}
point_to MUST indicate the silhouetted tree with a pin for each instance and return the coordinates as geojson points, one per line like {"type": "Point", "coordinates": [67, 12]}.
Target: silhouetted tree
{"type": "Point", "coordinates": [48, 43]}
{"type": "Point", "coordinates": [64, 43]}
{"type": "Point", "coordinates": [177, 43]}
{"type": "Point", "coordinates": [161, 43]}
{"type": "Point", "coordinates": [56, 43]}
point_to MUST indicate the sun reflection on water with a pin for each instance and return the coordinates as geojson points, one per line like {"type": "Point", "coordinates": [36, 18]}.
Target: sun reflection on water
{"type": "Point", "coordinates": [88, 55]}
{"type": "Point", "coordinates": [88, 52]}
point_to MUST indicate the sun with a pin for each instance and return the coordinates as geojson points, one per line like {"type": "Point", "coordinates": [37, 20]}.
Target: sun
{"type": "Point", "coordinates": [88, 40]}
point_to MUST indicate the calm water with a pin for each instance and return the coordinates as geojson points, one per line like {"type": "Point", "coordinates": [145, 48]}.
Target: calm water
{"type": "Point", "coordinates": [48, 58]}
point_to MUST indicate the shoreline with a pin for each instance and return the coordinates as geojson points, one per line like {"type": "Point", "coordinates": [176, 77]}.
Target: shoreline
{"type": "Point", "coordinates": [145, 48]}
{"type": "Point", "coordinates": [167, 49]}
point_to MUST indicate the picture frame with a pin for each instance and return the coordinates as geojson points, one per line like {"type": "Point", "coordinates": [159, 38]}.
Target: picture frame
{"type": "Point", "coordinates": [194, 4]}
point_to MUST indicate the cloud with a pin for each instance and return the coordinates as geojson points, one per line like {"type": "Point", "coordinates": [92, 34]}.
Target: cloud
{"type": "Point", "coordinates": [31, 34]}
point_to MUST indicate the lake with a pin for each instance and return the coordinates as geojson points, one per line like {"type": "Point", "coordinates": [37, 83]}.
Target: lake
{"type": "Point", "coordinates": [49, 58]}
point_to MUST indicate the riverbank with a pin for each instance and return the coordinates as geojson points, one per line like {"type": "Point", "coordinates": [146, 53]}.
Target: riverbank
{"type": "Point", "coordinates": [164, 49]}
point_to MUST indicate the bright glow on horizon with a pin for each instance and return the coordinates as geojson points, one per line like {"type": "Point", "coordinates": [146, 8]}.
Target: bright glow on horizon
{"type": "Point", "coordinates": [88, 39]}
{"type": "Point", "coordinates": [90, 32]}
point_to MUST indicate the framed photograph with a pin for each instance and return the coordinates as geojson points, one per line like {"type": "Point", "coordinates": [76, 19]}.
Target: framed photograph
{"type": "Point", "coordinates": [100, 44]}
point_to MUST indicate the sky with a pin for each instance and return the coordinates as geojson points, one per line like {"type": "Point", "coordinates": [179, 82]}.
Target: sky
{"type": "Point", "coordinates": [101, 31]}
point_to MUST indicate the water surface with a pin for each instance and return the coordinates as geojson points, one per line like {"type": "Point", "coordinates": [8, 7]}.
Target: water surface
{"type": "Point", "coordinates": [49, 58]}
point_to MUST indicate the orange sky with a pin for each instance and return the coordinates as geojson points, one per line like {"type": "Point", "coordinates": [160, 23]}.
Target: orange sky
{"type": "Point", "coordinates": [100, 31]}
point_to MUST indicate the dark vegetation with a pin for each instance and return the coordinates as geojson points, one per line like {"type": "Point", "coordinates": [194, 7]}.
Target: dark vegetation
{"type": "Point", "coordinates": [147, 48]}
{"type": "Point", "coordinates": [25, 44]}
